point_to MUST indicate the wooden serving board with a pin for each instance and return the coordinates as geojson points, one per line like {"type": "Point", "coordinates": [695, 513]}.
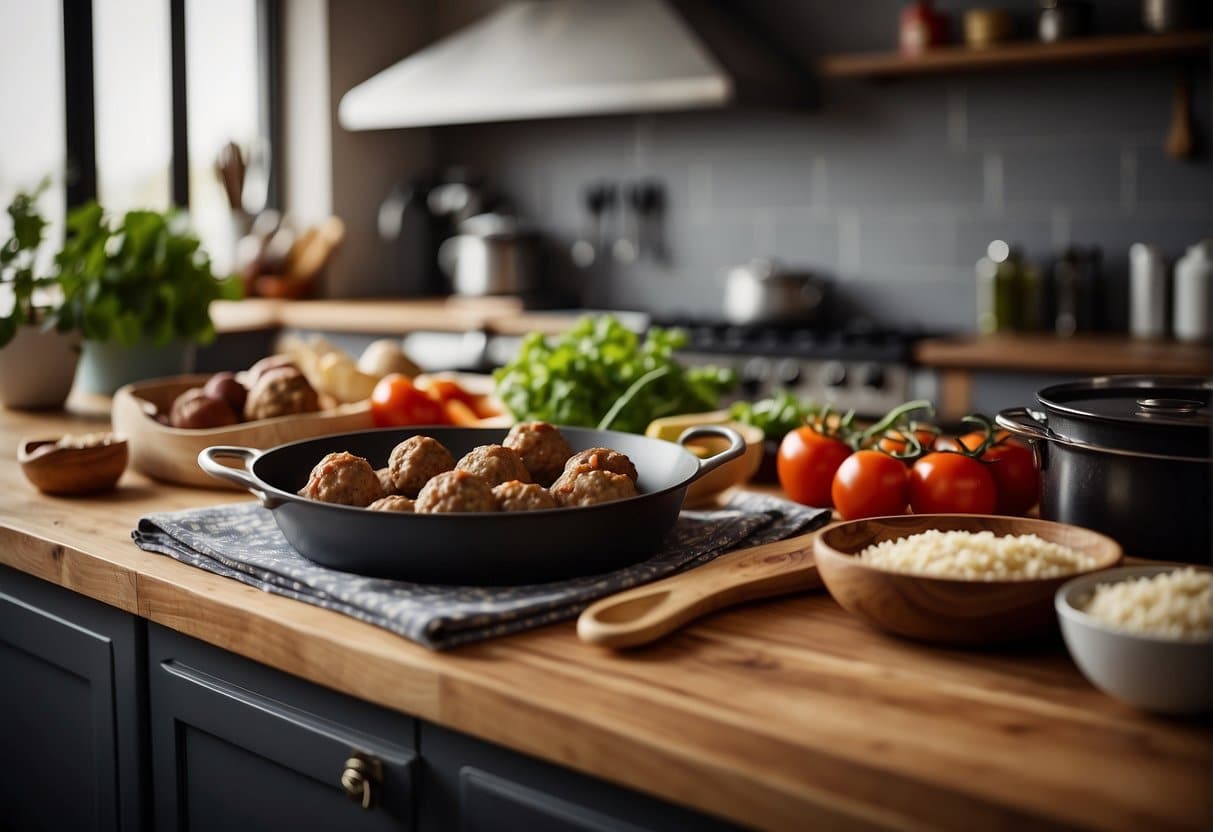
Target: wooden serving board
{"type": "Point", "coordinates": [646, 613]}
{"type": "Point", "coordinates": [171, 454]}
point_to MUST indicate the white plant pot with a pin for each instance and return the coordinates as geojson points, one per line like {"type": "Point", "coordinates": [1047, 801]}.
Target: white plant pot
{"type": "Point", "coordinates": [37, 368]}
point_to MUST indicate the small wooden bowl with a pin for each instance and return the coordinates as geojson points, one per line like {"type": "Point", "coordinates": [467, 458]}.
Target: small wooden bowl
{"type": "Point", "coordinates": [949, 610]}
{"type": "Point", "coordinates": [72, 471]}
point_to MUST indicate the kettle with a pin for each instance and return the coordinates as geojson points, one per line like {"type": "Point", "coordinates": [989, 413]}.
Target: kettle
{"type": "Point", "coordinates": [762, 292]}
{"type": "Point", "coordinates": [493, 254]}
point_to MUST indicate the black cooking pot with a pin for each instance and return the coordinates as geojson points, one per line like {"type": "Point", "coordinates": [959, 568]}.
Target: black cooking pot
{"type": "Point", "coordinates": [478, 548]}
{"type": "Point", "coordinates": [1128, 456]}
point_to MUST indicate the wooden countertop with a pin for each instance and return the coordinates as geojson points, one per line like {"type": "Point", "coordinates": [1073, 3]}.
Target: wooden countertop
{"type": "Point", "coordinates": [1079, 354]}
{"type": "Point", "coordinates": [784, 714]}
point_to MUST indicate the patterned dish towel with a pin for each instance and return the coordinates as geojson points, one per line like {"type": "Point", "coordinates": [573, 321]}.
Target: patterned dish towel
{"type": "Point", "coordinates": [242, 541]}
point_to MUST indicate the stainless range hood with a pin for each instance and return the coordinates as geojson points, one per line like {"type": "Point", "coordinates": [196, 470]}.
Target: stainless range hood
{"type": "Point", "coordinates": [554, 58]}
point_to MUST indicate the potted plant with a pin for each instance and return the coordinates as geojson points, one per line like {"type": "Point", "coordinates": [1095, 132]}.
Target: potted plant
{"type": "Point", "coordinates": [139, 292]}
{"type": "Point", "coordinates": [38, 350]}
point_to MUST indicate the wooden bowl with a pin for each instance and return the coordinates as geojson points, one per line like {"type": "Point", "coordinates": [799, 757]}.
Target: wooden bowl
{"type": "Point", "coordinates": [949, 610]}
{"type": "Point", "coordinates": [171, 454]}
{"type": "Point", "coordinates": [70, 471]}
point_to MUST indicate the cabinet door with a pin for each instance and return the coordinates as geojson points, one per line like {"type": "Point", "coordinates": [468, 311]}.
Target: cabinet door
{"type": "Point", "coordinates": [474, 786]}
{"type": "Point", "coordinates": [71, 689]}
{"type": "Point", "coordinates": [240, 746]}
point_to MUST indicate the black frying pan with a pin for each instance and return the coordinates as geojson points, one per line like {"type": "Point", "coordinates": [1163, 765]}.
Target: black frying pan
{"type": "Point", "coordinates": [479, 548]}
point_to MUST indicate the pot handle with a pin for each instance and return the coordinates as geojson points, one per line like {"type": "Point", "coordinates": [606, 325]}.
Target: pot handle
{"type": "Point", "coordinates": [208, 460]}
{"type": "Point", "coordinates": [736, 446]}
{"type": "Point", "coordinates": [1026, 423]}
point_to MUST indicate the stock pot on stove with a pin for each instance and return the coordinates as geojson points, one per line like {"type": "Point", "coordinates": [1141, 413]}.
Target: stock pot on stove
{"type": "Point", "coordinates": [1128, 456]}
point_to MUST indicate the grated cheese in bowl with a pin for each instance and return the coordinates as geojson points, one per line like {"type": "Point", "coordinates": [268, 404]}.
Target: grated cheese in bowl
{"type": "Point", "coordinates": [1177, 604]}
{"type": "Point", "coordinates": [976, 556]}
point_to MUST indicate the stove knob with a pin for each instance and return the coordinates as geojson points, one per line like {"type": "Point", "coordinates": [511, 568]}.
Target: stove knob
{"type": "Point", "coordinates": [872, 376]}
{"type": "Point", "coordinates": [787, 372]}
{"type": "Point", "coordinates": [834, 374]}
{"type": "Point", "coordinates": [755, 373]}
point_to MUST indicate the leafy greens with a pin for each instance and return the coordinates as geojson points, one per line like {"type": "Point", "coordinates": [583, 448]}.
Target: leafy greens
{"type": "Point", "coordinates": [601, 374]}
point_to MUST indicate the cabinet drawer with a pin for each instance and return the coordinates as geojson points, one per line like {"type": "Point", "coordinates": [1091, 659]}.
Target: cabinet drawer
{"type": "Point", "coordinates": [474, 786]}
{"type": "Point", "coordinates": [239, 746]}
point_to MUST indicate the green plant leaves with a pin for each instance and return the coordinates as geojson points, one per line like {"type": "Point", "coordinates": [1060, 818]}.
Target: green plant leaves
{"type": "Point", "coordinates": [145, 279]}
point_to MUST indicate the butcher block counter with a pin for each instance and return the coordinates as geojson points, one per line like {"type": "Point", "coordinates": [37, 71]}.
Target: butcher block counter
{"type": "Point", "coordinates": [786, 714]}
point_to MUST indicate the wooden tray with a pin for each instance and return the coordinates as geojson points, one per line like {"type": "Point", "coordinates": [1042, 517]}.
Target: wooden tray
{"type": "Point", "coordinates": [171, 454]}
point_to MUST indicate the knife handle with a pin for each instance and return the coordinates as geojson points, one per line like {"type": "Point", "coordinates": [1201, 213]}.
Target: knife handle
{"type": "Point", "coordinates": [646, 613]}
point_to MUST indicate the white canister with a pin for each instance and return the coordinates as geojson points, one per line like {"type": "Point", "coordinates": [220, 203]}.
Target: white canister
{"type": "Point", "coordinates": [1194, 293]}
{"type": "Point", "coordinates": [1147, 291]}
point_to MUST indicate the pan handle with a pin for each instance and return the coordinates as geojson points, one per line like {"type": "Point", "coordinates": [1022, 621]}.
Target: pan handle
{"type": "Point", "coordinates": [1026, 423]}
{"type": "Point", "coordinates": [736, 446]}
{"type": "Point", "coordinates": [209, 458]}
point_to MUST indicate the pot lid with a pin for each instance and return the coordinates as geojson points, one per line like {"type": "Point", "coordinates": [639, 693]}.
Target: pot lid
{"type": "Point", "coordinates": [1174, 410]}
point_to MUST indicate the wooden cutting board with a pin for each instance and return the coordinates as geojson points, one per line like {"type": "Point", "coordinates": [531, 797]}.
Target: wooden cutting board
{"type": "Point", "coordinates": [646, 613]}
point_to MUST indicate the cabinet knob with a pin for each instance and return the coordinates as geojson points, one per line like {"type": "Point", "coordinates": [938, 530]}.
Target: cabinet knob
{"type": "Point", "coordinates": [359, 779]}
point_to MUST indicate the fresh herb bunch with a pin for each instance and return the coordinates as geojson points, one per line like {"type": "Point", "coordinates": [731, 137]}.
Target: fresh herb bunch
{"type": "Point", "coordinates": [601, 374]}
{"type": "Point", "coordinates": [145, 279]}
{"type": "Point", "coordinates": [17, 264]}
{"type": "Point", "coordinates": [776, 416]}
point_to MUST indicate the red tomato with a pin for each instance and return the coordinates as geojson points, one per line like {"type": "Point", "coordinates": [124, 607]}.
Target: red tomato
{"type": "Point", "coordinates": [806, 463]}
{"type": "Point", "coordinates": [396, 401]}
{"type": "Point", "coordinates": [1013, 467]}
{"type": "Point", "coordinates": [870, 484]}
{"type": "Point", "coordinates": [895, 443]}
{"type": "Point", "coordinates": [949, 483]}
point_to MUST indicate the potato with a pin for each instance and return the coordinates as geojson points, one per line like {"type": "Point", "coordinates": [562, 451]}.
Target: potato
{"type": "Point", "coordinates": [341, 378]}
{"type": "Point", "coordinates": [385, 356]}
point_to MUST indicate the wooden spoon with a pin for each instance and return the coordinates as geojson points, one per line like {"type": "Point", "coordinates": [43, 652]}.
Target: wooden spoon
{"type": "Point", "coordinates": [646, 613]}
{"type": "Point", "coordinates": [1180, 143]}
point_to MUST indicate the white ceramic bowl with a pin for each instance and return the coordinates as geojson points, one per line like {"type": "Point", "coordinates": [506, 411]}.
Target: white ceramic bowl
{"type": "Point", "coordinates": [1154, 673]}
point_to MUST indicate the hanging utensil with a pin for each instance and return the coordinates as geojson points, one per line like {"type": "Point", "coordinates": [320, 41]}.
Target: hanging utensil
{"type": "Point", "coordinates": [1180, 143]}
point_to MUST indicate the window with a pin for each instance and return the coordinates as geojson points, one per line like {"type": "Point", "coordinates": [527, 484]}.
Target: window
{"type": "Point", "coordinates": [32, 140]}
{"type": "Point", "coordinates": [133, 93]}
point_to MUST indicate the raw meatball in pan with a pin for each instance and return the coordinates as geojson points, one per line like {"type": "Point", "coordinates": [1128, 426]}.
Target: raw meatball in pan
{"type": "Point", "coordinates": [581, 486]}
{"type": "Point", "coordinates": [456, 491]}
{"type": "Point", "coordinates": [602, 459]}
{"type": "Point", "coordinates": [393, 502]}
{"type": "Point", "coordinates": [415, 461]}
{"type": "Point", "coordinates": [496, 463]}
{"type": "Point", "coordinates": [542, 448]}
{"type": "Point", "coordinates": [523, 496]}
{"type": "Point", "coordinates": [344, 479]}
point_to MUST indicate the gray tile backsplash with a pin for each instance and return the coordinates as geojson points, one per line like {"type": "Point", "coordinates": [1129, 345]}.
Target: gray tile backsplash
{"type": "Point", "coordinates": [891, 190]}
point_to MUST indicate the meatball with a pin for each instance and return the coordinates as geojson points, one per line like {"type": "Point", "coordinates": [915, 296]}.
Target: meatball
{"type": "Point", "coordinates": [415, 460]}
{"type": "Point", "coordinates": [588, 486]}
{"type": "Point", "coordinates": [496, 463]}
{"type": "Point", "coordinates": [393, 502]}
{"type": "Point", "coordinates": [523, 496]}
{"type": "Point", "coordinates": [282, 391]}
{"type": "Point", "coordinates": [602, 459]}
{"type": "Point", "coordinates": [542, 448]}
{"type": "Point", "coordinates": [386, 481]}
{"type": "Point", "coordinates": [456, 491]}
{"type": "Point", "coordinates": [195, 408]}
{"type": "Point", "coordinates": [345, 479]}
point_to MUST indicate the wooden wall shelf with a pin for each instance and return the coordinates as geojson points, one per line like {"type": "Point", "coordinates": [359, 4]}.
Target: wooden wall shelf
{"type": "Point", "coordinates": [1017, 55]}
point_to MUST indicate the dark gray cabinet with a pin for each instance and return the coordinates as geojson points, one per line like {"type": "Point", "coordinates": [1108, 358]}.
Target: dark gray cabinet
{"type": "Point", "coordinates": [113, 723]}
{"type": "Point", "coordinates": [71, 710]}
{"type": "Point", "coordinates": [474, 786]}
{"type": "Point", "coordinates": [236, 745]}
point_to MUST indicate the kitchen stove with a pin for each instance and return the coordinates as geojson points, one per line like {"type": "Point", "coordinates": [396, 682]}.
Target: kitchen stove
{"type": "Point", "coordinates": [857, 366]}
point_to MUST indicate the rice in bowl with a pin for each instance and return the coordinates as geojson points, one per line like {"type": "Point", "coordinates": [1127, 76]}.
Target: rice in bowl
{"type": "Point", "coordinates": [1177, 604]}
{"type": "Point", "coordinates": [976, 556]}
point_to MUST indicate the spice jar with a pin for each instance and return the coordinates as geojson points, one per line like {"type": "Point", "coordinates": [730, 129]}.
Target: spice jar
{"type": "Point", "coordinates": [921, 27]}
{"type": "Point", "coordinates": [987, 27]}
